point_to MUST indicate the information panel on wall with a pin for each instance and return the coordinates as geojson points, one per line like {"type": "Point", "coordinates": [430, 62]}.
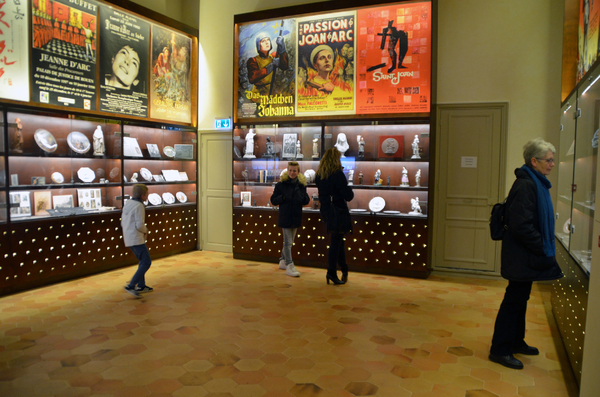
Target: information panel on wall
{"type": "Point", "coordinates": [14, 54]}
{"type": "Point", "coordinates": [373, 60]}
{"type": "Point", "coordinates": [63, 65]}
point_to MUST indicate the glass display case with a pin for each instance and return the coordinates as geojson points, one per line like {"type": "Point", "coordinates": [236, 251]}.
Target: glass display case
{"type": "Point", "coordinates": [387, 165]}
{"type": "Point", "coordinates": [3, 205]}
{"type": "Point", "coordinates": [565, 161]}
{"type": "Point", "coordinates": [68, 165]}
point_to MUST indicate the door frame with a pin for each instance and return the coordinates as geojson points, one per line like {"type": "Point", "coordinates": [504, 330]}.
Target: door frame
{"type": "Point", "coordinates": [504, 109]}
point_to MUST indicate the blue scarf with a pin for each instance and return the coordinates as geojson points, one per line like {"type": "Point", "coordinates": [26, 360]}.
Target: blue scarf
{"type": "Point", "coordinates": [545, 209]}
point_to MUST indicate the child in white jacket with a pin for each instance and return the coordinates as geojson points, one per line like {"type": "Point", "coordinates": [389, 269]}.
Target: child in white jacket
{"type": "Point", "coordinates": [133, 222]}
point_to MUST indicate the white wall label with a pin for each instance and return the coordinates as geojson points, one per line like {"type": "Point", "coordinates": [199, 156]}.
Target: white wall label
{"type": "Point", "coordinates": [468, 162]}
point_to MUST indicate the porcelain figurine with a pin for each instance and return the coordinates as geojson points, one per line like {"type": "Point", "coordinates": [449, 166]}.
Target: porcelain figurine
{"type": "Point", "coordinates": [415, 148]}
{"type": "Point", "coordinates": [418, 178]}
{"type": "Point", "coordinates": [17, 142]}
{"type": "Point", "coordinates": [360, 177]}
{"type": "Point", "coordinates": [361, 146]}
{"type": "Point", "coordinates": [315, 148]}
{"type": "Point", "coordinates": [270, 149]}
{"type": "Point", "coordinates": [98, 139]}
{"type": "Point", "coordinates": [415, 207]}
{"type": "Point", "coordinates": [249, 151]}
{"type": "Point", "coordinates": [378, 177]}
{"type": "Point", "coordinates": [299, 150]}
{"type": "Point", "coordinates": [404, 177]}
{"type": "Point", "coordinates": [351, 177]}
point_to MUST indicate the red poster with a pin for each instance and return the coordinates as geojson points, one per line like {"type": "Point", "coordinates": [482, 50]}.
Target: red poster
{"type": "Point", "coordinates": [393, 49]}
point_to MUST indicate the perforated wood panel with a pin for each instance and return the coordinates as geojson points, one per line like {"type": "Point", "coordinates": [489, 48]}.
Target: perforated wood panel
{"type": "Point", "coordinates": [380, 244]}
{"type": "Point", "coordinates": [569, 304]}
{"type": "Point", "coordinates": [56, 249]}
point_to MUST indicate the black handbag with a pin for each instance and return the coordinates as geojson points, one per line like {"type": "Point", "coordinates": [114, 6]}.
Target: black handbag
{"type": "Point", "coordinates": [338, 220]}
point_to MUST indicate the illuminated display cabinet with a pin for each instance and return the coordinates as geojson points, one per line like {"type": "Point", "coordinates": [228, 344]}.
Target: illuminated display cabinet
{"type": "Point", "coordinates": [64, 180]}
{"type": "Point", "coordinates": [390, 232]}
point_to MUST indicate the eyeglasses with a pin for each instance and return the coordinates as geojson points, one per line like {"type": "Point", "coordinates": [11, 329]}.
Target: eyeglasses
{"type": "Point", "coordinates": [550, 161]}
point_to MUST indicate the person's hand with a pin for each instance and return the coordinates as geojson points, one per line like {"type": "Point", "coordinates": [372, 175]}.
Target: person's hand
{"type": "Point", "coordinates": [272, 65]}
{"type": "Point", "coordinates": [280, 45]}
{"type": "Point", "coordinates": [327, 87]}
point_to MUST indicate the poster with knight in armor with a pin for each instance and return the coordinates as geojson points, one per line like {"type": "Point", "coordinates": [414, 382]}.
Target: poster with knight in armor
{"type": "Point", "coordinates": [266, 78]}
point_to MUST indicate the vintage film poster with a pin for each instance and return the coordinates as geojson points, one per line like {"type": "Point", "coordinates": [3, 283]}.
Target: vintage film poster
{"type": "Point", "coordinates": [326, 64]}
{"type": "Point", "coordinates": [589, 11]}
{"type": "Point", "coordinates": [170, 76]}
{"type": "Point", "coordinates": [266, 60]}
{"type": "Point", "coordinates": [64, 49]}
{"type": "Point", "coordinates": [14, 50]}
{"type": "Point", "coordinates": [124, 41]}
{"type": "Point", "coordinates": [393, 52]}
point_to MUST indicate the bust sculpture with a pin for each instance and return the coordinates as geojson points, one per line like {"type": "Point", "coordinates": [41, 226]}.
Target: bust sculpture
{"type": "Point", "coordinates": [415, 148]}
{"type": "Point", "coordinates": [98, 139]}
{"type": "Point", "coordinates": [404, 177]}
{"type": "Point", "coordinates": [249, 150]}
{"type": "Point", "coordinates": [342, 144]}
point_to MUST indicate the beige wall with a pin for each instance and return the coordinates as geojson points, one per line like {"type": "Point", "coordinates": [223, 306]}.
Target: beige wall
{"type": "Point", "coordinates": [185, 11]}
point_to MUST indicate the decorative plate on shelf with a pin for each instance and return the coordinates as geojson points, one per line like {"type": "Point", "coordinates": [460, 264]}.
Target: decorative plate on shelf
{"type": "Point", "coordinates": [169, 151]}
{"type": "Point", "coordinates": [146, 174]}
{"type": "Point", "coordinates": [86, 174]}
{"type": "Point", "coordinates": [57, 177]}
{"type": "Point", "coordinates": [78, 142]}
{"type": "Point", "coordinates": [114, 173]}
{"type": "Point", "coordinates": [154, 199]}
{"type": "Point", "coordinates": [181, 197]}
{"type": "Point", "coordinates": [168, 197]}
{"type": "Point", "coordinates": [45, 140]}
{"type": "Point", "coordinates": [377, 204]}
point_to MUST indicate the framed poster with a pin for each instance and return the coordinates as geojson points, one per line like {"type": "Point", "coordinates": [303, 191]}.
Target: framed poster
{"type": "Point", "coordinates": [63, 70]}
{"type": "Point", "coordinates": [170, 76]}
{"type": "Point", "coordinates": [393, 48]}
{"type": "Point", "coordinates": [124, 40]}
{"type": "Point", "coordinates": [42, 201]}
{"type": "Point", "coordinates": [20, 204]}
{"type": "Point", "coordinates": [325, 64]}
{"type": "Point", "coordinates": [266, 75]}
{"type": "Point", "coordinates": [14, 36]}
{"type": "Point", "coordinates": [288, 149]}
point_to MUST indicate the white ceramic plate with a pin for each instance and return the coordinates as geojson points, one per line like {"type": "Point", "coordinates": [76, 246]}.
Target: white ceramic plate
{"type": "Point", "coordinates": [146, 174]}
{"type": "Point", "coordinates": [86, 174]}
{"type": "Point", "coordinates": [377, 204]}
{"type": "Point", "coordinates": [181, 197]}
{"type": "Point", "coordinates": [78, 142]}
{"type": "Point", "coordinates": [169, 198]}
{"type": "Point", "coordinates": [391, 212]}
{"type": "Point", "coordinates": [114, 173]}
{"type": "Point", "coordinates": [169, 151]}
{"type": "Point", "coordinates": [45, 140]}
{"type": "Point", "coordinates": [358, 210]}
{"type": "Point", "coordinates": [154, 199]}
{"type": "Point", "coordinates": [57, 177]}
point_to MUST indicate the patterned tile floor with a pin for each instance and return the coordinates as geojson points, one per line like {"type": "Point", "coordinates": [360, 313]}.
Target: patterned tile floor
{"type": "Point", "coordinates": [215, 326]}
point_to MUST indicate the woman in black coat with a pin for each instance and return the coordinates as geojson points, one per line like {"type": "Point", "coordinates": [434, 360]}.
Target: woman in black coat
{"type": "Point", "coordinates": [290, 195]}
{"type": "Point", "coordinates": [528, 250]}
{"type": "Point", "coordinates": [334, 192]}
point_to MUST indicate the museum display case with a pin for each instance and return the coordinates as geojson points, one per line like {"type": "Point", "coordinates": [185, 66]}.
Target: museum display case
{"type": "Point", "coordinates": [387, 165]}
{"type": "Point", "coordinates": [67, 179]}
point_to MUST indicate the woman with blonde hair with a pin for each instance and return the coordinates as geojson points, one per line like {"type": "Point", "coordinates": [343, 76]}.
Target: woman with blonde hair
{"type": "Point", "coordinates": [334, 193]}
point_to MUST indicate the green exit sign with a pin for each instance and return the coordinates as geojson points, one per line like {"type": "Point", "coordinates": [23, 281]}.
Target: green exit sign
{"type": "Point", "coordinates": [223, 124]}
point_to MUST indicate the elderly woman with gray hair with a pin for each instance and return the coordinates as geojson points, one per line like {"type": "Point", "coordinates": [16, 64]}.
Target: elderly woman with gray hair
{"type": "Point", "coordinates": [528, 250]}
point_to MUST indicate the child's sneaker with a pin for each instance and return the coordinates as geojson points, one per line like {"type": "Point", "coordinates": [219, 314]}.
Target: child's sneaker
{"type": "Point", "coordinates": [132, 291]}
{"type": "Point", "coordinates": [143, 290]}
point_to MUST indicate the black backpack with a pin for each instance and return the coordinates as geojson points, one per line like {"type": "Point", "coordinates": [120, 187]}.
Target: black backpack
{"type": "Point", "coordinates": [497, 222]}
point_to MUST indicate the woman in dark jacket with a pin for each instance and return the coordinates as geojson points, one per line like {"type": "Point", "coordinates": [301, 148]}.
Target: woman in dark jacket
{"type": "Point", "coordinates": [335, 192]}
{"type": "Point", "coordinates": [290, 195]}
{"type": "Point", "coordinates": [528, 250]}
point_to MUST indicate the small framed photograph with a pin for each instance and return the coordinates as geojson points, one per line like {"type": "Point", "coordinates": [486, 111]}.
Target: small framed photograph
{"type": "Point", "coordinates": [38, 180]}
{"type": "Point", "coordinates": [20, 204]}
{"type": "Point", "coordinates": [14, 179]}
{"type": "Point", "coordinates": [42, 202]}
{"type": "Point", "coordinates": [153, 150]}
{"type": "Point", "coordinates": [246, 199]}
{"type": "Point", "coordinates": [184, 151]}
{"type": "Point", "coordinates": [65, 201]}
{"type": "Point", "coordinates": [289, 146]}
